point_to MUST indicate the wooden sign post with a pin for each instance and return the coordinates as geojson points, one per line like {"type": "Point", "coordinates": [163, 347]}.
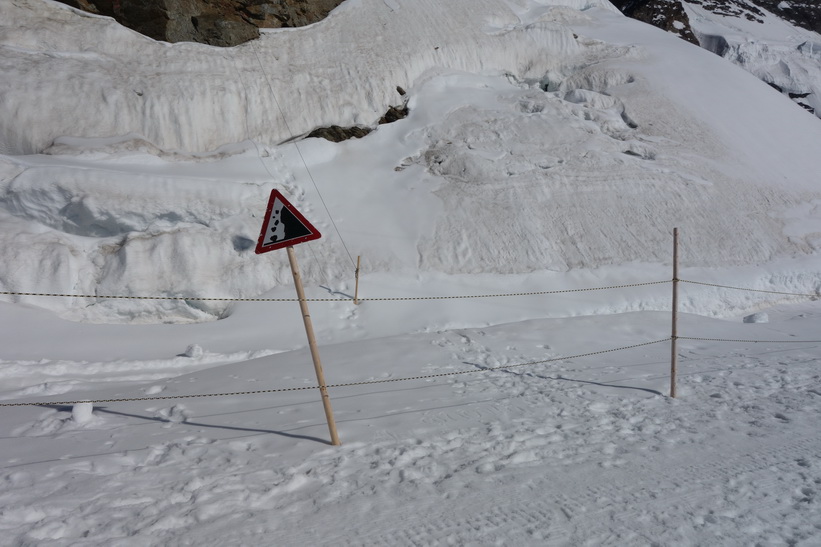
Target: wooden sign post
{"type": "Point", "coordinates": [284, 226]}
{"type": "Point", "coordinates": [309, 330]}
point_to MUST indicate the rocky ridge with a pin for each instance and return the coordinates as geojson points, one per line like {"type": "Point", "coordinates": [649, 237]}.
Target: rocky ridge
{"type": "Point", "coordinates": [671, 15]}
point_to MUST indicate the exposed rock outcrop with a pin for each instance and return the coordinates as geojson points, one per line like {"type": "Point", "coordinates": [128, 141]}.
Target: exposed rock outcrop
{"type": "Point", "coordinates": [667, 15]}
{"type": "Point", "coordinates": [337, 133]}
{"type": "Point", "coordinates": [215, 22]}
{"type": "Point", "coordinates": [671, 15]}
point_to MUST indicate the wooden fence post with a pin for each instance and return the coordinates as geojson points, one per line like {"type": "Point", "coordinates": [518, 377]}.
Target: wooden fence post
{"type": "Point", "coordinates": [674, 334]}
{"type": "Point", "coordinates": [356, 290]}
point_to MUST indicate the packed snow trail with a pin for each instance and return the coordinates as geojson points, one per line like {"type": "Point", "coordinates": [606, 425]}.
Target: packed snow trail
{"type": "Point", "coordinates": [586, 451]}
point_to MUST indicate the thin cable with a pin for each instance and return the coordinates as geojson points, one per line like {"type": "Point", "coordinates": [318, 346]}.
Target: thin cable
{"type": "Point", "coordinates": [750, 341]}
{"type": "Point", "coordinates": [321, 269]}
{"type": "Point", "coordinates": [386, 299]}
{"type": "Point", "coordinates": [750, 290]}
{"type": "Point", "coordinates": [247, 127]}
{"type": "Point", "coordinates": [265, 166]}
{"type": "Point", "coordinates": [307, 169]}
{"type": "Point", "coordinates": [349, 384]}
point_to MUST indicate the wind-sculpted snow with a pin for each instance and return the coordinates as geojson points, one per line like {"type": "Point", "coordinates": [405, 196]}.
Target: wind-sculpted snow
{"type": "Point", "coordinates": [196, 98]}
{"type": "Point", "coordinates": [537, 179]}
{"type": "Point", "coordinates": [542, 137]}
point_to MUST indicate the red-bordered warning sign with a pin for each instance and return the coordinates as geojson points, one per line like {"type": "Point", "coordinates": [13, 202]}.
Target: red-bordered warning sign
{"type": "Point", "coordinates": [284, 226]}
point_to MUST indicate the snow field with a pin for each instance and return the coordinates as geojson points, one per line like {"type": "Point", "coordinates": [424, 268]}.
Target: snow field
{"type": "Point", "coordinates": [580, 450]}
{"type": "Point", "coordinates": [551, 145]}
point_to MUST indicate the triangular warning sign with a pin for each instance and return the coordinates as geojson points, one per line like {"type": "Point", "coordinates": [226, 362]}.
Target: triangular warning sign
{"type": "Point", "coordinates": [284, 226]}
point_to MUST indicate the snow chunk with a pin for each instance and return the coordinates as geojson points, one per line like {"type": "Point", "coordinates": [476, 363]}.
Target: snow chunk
{"type": "Point", "coordinates": [82, 413]}
{"type": "Point", "coordinates": [760, 317]}
{"type": "Point", "coordinates": [194, 351]}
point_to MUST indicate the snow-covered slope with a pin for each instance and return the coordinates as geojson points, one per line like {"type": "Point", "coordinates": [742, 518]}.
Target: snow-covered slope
{"type": "Point", "coordinates": [543, 137]}
{"type": "Point", "coordinates": [778, 52]}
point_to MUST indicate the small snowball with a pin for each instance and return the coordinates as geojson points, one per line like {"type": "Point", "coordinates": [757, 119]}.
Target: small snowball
{"type": "Point", "coordinates": [82, 413]}
{"type": "Point", "coordinates": [177, 414]}
{"type": "Point", "coordinates": [194, 351]}
{"type": "Point", "coordinates": [760, 317]}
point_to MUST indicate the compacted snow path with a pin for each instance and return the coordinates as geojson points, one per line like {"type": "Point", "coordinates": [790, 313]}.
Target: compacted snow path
{"type": "Point", "coordinates": [583, 451]}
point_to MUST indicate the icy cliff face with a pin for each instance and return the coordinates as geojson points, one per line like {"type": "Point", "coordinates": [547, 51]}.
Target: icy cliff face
{"type": "Point", "coordinates": [96, 78]}
{"type": "Point", "coordinates": [542, 137]}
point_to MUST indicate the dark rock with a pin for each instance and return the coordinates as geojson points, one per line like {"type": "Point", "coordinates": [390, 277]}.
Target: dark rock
{"type": "Point", "coordinates": [667, 15]}
{"type": "Point", "coordinates": [394, 113]}
{"type": "Point", "coordinates": [214, 22]}
{"type": "Point", "coordinates": [670, 15]}
{"type": "Point", "coordinates": [336, 133]}
{"type": "Point", "coordinates": [801, 13]}
{"type": "Point", "coordinates": [663, 13]}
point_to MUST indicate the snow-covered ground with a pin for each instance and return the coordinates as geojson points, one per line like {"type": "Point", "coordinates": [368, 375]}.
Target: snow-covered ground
{"type": "Point", "coordinates": [586, 451]}
{"type": "Point", "coordinates": [551, 145]}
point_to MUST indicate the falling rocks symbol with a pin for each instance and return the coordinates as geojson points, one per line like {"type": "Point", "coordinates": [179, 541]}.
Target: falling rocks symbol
{"type": "Point", "coordinates": [284, 226]}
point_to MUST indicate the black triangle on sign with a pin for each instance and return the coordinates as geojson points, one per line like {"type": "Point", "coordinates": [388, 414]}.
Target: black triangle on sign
{"type": "Point", "coordinates": [291, 226]}
{"type": "Point", "coordinates": [283, 226]}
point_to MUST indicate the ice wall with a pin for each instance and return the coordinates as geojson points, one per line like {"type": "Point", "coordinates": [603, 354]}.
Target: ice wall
{"type": "Point", "coordinates": [66, 73]}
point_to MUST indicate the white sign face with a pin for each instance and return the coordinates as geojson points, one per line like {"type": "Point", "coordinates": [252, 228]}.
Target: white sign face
{"type": "Point", "coordinates": [284, 226]}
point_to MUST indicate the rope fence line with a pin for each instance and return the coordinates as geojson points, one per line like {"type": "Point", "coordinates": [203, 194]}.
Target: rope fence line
{"type": "Point", "coordinates": [348, 384]}
{"type": "Point", "coordinates": [401, 298]}
{"type": "Point", "coordinates": [816, 295]}
{"type": "Point", "coordinates": [750, 341]}
{"type": "Point", "coordinates": [672, 338]}
{"type": "Point", "coordinates": [385, 299]}
{"type": "Point", "coordinates": [400, 379]}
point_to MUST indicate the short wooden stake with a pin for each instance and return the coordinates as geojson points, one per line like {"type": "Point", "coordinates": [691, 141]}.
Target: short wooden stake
{"type": "Point", "coordinates": [309, 330]}
{"type": "Point", "coordinates": [674, 335]}
{"type": "Point", "coordinates": [356, 290]}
